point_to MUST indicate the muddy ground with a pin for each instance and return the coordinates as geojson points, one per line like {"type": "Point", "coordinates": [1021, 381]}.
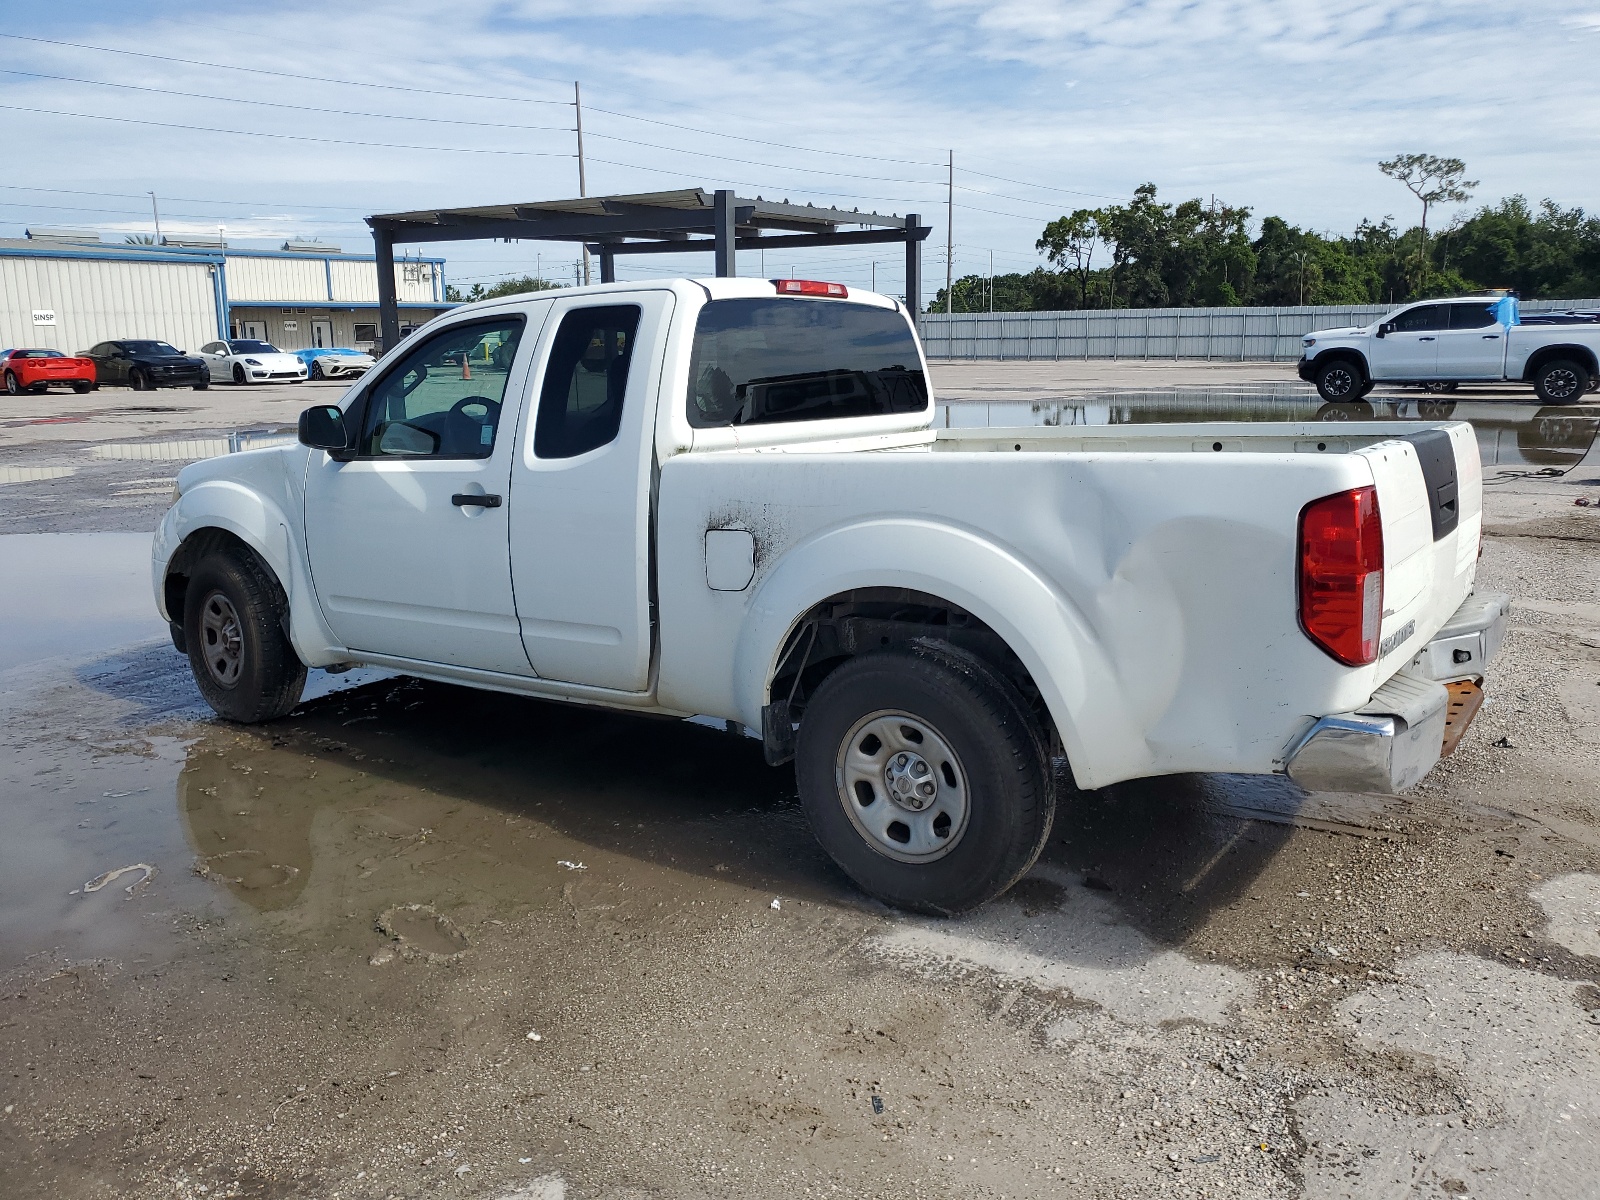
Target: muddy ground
{"type": "Point", "coordinates": [417, 940]}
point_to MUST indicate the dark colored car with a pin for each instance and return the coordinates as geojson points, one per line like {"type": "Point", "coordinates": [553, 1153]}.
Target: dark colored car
{"type": "Point", "coordinates": [35, 370]}
{"type": "Point", "coordinates": [143, 365]}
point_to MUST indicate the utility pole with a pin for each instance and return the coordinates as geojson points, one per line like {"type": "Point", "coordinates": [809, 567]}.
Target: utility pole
{"type": "Point", "coordinates": [991, 281]}
{"type": "Point", "coordinates": [949, 228]}
{"type": "Point", "coordinates": [583, 184]}
{"type": "Point", "coordinates": [156, 212]}
{"type": "Point", "coordinates": [874, 274]}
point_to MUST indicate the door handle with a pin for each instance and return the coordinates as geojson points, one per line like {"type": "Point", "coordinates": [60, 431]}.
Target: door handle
{"type": "Point", "coordinates": [1426, 339]}
{"type": "Point", "coordinates": [1491, 337]}
{"type": "Point", "coordinates": [467, 499]}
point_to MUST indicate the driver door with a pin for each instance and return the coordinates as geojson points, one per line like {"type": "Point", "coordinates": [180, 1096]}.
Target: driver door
{"type": "Point", "coordinates": [408, 540]}
{"type": "Point", "coordinates": [1410, 350]}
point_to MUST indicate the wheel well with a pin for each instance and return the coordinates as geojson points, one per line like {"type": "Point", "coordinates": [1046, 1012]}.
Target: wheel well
{"type": "Point", "coordinates": [856, 622]}
{"type": "Point", "coordinates": [175, 588]}
{"type": "Point", "coordinates": [1581, 354]}
{"type": "Point", "coordinates": [1353, 357]}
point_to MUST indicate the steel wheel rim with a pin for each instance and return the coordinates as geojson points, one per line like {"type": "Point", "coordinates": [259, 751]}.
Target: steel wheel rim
{"type": "Point", "coordinates": [221, 639]}
{"type": "Point", "coordinates": [902, 786]}
{"type": "Point", "coordinates": [1560, 384]}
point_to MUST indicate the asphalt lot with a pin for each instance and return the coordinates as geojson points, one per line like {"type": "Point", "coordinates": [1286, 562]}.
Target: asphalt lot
{"type": "Point", "coordinates": [417, 940]}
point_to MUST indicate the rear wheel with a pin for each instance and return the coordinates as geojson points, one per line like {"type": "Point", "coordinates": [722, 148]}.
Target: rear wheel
{"type": "Point", "coordinates": [925, 776]}
{"type": "Point", "coordinates": [82, 386]}
{"type": "Point", "coordinates": [1560, 381]}
{"type": "Point", "coordinates": [12, 385]}
{"type": "Point", "coordinates": [233, 628]}
{"type": "Point", "coordinates": [1339, 380]}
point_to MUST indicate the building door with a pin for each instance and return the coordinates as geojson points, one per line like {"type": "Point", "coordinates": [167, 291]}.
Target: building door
{"type": "Point", "coordinates": [253, 330]}
{"type": "Point", "coordinates": [321, 333]}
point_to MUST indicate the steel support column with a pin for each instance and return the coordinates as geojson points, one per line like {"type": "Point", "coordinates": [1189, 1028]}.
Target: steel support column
{"type": "Point", "coordinates": [608, 265]}
{"type": "Point", "coordinates": [388, 301]}
{"type": "Point", "coordinates": [726, 235]}
{"type": "Point", "coordinates": [914, 265]}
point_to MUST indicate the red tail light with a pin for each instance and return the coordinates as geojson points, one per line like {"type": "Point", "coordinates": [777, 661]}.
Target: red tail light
{"type": "Point", "coordinates": [810, 287]}
{"type": "Point", "coordinates": [1341, 574]}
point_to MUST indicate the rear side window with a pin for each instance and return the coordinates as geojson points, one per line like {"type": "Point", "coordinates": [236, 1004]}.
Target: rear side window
{"type": "Point", "coordinates": [761, 361]}
{"type": "Point", "coordinates": [580, 403]}
{"type": "Point", "coordinates": [1472, 316]}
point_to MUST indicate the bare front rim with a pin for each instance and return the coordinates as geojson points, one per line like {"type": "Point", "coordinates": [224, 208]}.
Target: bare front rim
{"type": "Point", "coordinates": [223, 639]}
{"type": "Point", "coordinates": [903, 787]}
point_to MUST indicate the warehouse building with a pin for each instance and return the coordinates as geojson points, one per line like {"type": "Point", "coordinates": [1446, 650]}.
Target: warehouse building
{"type": "Point", "coordinates": [66, 290]}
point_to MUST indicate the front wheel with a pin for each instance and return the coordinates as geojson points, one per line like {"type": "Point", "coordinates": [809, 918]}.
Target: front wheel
{"type": "Point", "coordinates": [1561, 381]}
{"type": "Point", "coordinates": [925, 776]}
{"type": "Point", "coordinates": [238, 373]}
{"type": "Point", "coordinates": [138, 380]}
{"type": "Point", "coordinates": [1339, 380]}
{"type": "Point", "coordinates": [233, 629]}
{"type": "Point", "coordinates": [202, 385]}
{"type": "Point", "coordinates": [317, 372]}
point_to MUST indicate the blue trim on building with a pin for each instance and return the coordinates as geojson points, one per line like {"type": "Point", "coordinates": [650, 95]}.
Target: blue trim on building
{"type": "Point", "coordinates": [327, 270]}
{"type": "Point", "coordinates": [220, 281]}
{"type": "Point", "coordinates": [114, 254]}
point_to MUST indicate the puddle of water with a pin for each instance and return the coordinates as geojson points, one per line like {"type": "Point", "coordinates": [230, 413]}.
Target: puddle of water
{"type": "Point", "coordinates": [34, 474]}
{"type": "Point", "coordinates": [74, 594]}
{"type": "Point", "coordinates": [194, 449]}
{"type": "Point", "coordinates": [1510, 434]}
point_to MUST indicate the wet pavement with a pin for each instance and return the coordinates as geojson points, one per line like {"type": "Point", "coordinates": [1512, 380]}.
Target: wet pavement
{"type": "Point", "coordinates": [420, 940]}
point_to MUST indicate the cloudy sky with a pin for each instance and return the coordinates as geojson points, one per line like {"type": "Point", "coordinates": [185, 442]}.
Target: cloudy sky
{"type": "Point", "coordinates": [297, 120]}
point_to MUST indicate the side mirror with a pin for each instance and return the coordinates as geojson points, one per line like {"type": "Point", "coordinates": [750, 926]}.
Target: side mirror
{"type": "Point", "coordinates": [322, 428]}
{"type": "Point", "coordinates": [1386, 329]}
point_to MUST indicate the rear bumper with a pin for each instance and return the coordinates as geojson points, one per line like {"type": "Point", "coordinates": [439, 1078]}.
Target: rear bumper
{"type": "Point", "coordinates": [1395, 739]}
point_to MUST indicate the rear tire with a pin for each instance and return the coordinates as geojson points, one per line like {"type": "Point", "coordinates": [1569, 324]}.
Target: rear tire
{"type": "Point", "coordinates": [83, 388]}
{"type": "Point", "coordinates": [233, 625]}
{"type": "Point", "coordinates": [1340, 380]}
{"type": "Point", "coordinates": [1561, 381]}
{"type": "Point", "coordinates": [931, 718]}
{"type": "Point", "coordinates": [12, 386]}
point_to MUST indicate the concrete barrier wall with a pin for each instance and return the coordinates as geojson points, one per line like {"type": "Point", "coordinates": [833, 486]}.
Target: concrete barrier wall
{"type": "Point", "coordinates": [1226, 334]}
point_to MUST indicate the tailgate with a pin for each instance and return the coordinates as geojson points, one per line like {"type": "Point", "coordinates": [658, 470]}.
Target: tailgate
{"type": "Point", "coordinates": [1430, 500]}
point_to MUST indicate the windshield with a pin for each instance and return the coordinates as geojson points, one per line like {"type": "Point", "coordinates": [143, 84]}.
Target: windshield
{"type": "Point", "coordinates": [38, 354]}
{"type": "Point", "coordinates": [248, 347]}
{"type": "Point", "coordinates": [762, 361]}
{"type": "Point", "coordinates": [149, 348]}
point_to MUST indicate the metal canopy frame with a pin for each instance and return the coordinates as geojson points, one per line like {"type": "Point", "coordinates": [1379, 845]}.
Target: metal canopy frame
{"type": "Point", "coordinates": [649, 223]}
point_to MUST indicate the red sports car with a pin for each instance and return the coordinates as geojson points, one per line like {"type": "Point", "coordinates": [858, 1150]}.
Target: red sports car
{"type": "Point", "coordinates": [36, 370]}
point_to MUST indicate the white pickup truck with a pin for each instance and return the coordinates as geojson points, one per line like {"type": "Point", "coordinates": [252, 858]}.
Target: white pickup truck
{"type": "Point", "coordinates": [1478, 339]}
{"type": "Point", "coordinates": [725, 498]}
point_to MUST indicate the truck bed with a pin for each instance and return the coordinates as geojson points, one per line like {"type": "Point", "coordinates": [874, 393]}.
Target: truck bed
{"type": "Point", "coordinates": [1155, 569]}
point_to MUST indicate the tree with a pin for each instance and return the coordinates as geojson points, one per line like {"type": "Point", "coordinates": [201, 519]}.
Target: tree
{"type": "Point", "coordinates": [140, 239]}
{"type": "Point", "coordinates": [1432, 180]}
{"type": "Point", "coordinates": [506, 287]}
{"type": "Point", "coordinates": [1069, 243]}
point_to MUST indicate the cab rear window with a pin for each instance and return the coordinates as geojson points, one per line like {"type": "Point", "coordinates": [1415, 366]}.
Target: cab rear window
{"type": "Point", "coordinates": [763, 361]}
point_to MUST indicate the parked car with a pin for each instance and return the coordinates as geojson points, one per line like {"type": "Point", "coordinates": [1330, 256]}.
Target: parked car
{"type": "Point", "coordinates": [36, 370]}
{"type": "Point", "coordinates": [143, 364]}
{"type": "Point", "coordinates": [727, 498]}
{"type": "Point", "coordinates": [246, 360]}
{"type": "Point", "coordinates": [1479, 339]}
{"type": "Point", "coordinates": [335, 363]}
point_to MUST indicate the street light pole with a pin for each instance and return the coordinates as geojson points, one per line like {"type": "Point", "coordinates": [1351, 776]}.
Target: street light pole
{"type": "Point", "coordinates": [155, 212]}
{"type": "Point", "coordinates": [583, 186]}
